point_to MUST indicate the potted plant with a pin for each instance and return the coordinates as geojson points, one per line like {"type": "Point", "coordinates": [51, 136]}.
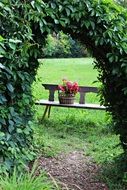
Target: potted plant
{"type": "Point", "coordinates": [67, 92]}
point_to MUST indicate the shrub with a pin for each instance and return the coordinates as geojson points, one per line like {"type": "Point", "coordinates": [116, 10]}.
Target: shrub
{"type": "Point", "coordinates": [62, 45]}
{"type": "Point", "coordinates": [51, 46]}
{"type": "Point", "coordinates": [77, 49]}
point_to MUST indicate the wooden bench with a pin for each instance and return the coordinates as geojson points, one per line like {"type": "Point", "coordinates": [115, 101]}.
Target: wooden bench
{"type": "Point", "coordinates": [83, 90]}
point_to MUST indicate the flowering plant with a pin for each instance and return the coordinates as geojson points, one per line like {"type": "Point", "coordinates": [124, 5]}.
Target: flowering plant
{"type": "Point", "coordinates": [68, 88]}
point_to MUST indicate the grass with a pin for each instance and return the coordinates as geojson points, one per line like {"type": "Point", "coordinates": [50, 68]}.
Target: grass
{"type": "Point", "coordinates": [75, 129]}
{"type": "Point", "coordinates": [54, 70]}
{"type": "Point", "coordinates": [27, 181]}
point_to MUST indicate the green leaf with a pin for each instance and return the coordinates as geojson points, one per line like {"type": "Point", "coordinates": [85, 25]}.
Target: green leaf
{"type": "Point", "coordinates": [53, 5]}
{"type": "Point", "coordinates": [33, 4]}
{"type": "Point", "coordinates": [19, 130]}
{"type": "Point", "coordinates": [111, 59]}
{"type": "Point", "coordinates": [92, 24]}
{"type": "Point", "coordinates": [2, 50]}
{"type": "Point", "coordinates": [15, 41]}
{"type": "Point", "coordinates": [93, 12]}
{"type": "Point", "coordinates": [67, 11]}
{"type": "Point", "coordinates": [10, 87]}
{"type": "Point", "coordinates": [12, 111]}
{"type": "Point", "coordinates": [12, 46]}
{"type": "Point", "coordinates": [2, 99]}
{"type": "Point", "coordinates": [2, 121]}
{"type": "Point", "coordinates": [1, 135]}
{"type": "Point", "coordinates": [8, 136]}
{"type": "Point", "coordinates": [1, 38]}
{"type": "Point", "coordinates": [56, 21]}
{"type": "Point", "coordinates": [87, 24]}
{"type": "Point", "coordinates": [11, 123]}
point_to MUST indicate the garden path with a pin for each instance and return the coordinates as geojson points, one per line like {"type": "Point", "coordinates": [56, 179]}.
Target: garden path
{"type": "Point", "coordinates": [73, 171]}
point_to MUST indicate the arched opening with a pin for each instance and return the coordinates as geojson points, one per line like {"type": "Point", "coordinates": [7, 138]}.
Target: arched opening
{"type": "Point", "coordinates": [52, 71]}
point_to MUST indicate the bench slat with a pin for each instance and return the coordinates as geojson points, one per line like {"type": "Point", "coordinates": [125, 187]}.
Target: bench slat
{"type": "Point", "coordinates": [75, 105]}
{"type": "Point", "coordinates": [88, 89]}
{"type": "Point", "coordinates": [81, 88]}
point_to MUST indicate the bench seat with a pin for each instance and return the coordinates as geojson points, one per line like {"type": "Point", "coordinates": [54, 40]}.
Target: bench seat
{"type": "Point", "coordinates": [75, 105]}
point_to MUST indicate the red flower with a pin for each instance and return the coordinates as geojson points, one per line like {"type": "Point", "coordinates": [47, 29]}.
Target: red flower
{"type": "Point", "coordinates": [69, 87]}
{"type": "Point", "coordinates": [61, 88]}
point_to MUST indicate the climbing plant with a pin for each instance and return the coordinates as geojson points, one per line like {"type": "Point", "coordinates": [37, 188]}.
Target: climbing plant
{"type": "Point", "coordinates": [122, 2]}
{"type": "Point", "coordinates": [99, 24]}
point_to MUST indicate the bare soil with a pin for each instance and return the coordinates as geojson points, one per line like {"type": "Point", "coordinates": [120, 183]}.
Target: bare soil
{"type": "Point", "coordinates": [73, 171]}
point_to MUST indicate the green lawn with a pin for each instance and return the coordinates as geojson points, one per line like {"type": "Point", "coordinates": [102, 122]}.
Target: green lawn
{"type": "Point", "coordinates": [54, 70]}
{"type": "Point", "coordinates": [75, 129]}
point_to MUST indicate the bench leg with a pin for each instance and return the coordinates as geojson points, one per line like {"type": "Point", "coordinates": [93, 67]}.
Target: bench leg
{"type": "Point", "coordinates": [49, 110]}
{"type": "Point", "coordinates": [46, 109]}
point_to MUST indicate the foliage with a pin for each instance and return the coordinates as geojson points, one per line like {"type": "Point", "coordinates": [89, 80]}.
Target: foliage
{"type": "Point", "coordinates": [17, 72]}
{"type": "Point", "coordinates": [57, 45]}
{"type": "Point", "coordinates": [122, 2]}
{"type": "Point", "coordinates": [62, 45]}
{"type": "Point", "coordinates": [101, 25]}
{"type": "Point", "coordinates": [26, 181]}
{"type": "Point", "coordinates": [51, 46]}
{"type": "Point", "coordinates": [78, 49]}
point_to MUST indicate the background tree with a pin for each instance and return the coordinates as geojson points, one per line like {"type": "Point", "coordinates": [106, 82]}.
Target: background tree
{"type": "Point", "coordinates": [62, 45]}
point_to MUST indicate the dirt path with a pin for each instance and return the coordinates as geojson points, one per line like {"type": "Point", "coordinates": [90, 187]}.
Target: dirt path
{"type": "Point", "coordinates": [74, 171]}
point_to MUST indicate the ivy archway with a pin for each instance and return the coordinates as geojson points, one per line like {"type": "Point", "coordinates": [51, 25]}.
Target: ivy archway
{"type": "Point", "coordinates": [99, 24]}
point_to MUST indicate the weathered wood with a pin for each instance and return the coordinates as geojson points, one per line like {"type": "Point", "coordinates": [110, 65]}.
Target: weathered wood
{"type": "Point", "coordinates": [49, 110]}
{"type": "Point", "coordinates": [88, 89]}
{"type": "Point", "coordinates": [46, 109]}
{"type": "Point", "coordinates": [51, 95]}
{"type": "Point", "coordinates": [52, 88]}
{"type": "Point", "coordinates": [75, 105]}
{"type": "Point", "coordinates": [85, 89]}
{"type": "Point", "coordinates": [82, 98]}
